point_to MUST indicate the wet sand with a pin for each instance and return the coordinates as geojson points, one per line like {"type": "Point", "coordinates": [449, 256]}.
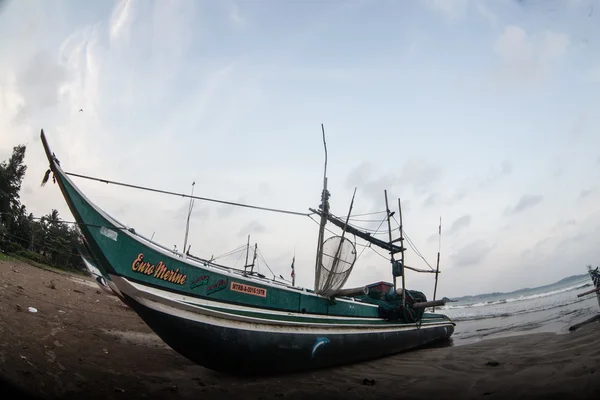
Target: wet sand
{"type": "Point", "coordinates": [84, 343]}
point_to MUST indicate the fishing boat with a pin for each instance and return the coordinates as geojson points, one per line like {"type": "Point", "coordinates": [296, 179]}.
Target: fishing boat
{"type": "Point", "coordinates": [241, 322]}
{"type": "Point", "coordinates": [595, 275]}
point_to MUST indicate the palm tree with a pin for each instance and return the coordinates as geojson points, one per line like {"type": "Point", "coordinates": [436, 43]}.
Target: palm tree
{"type": "Point", "coordinates": [50, 220]}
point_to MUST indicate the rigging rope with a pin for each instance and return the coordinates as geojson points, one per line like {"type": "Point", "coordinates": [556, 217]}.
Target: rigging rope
{"type": "Point", "coordinates": [413, 246]}
{"type": "Point", "coordinates": [188, 196]}
{"type": "Point", "coordinates": [231, 252]}
{"type": "Point", "coordinates": [260, 255]}
{"type": "Point", "coordinates": [365, 214]}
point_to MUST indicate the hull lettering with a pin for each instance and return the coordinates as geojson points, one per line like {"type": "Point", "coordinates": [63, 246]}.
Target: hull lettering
{"type": "Point", "coordinates": [254, 291]}
{"type": "Point", "coordinates": [158, 271]}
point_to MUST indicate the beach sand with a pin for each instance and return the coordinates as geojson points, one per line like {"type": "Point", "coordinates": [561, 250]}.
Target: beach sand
{"type": "Point", "coordinates": [84, 343]}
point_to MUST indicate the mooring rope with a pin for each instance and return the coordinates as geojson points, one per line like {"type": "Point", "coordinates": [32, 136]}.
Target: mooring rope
{"type": "Point", "coordinates": [231, 203]}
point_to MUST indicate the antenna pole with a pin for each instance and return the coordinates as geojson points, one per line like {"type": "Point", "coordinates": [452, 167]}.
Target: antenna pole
{"type": "Point", "coordinates": [402, 252]}
{"type": "Point", "coordinates": [437, 269]}
{"type": "Point", "coordinates": [325, 212]}
{"type": "Point", "coordinates": [187, 225]}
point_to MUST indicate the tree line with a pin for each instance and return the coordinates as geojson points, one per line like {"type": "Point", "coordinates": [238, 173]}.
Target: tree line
{"type": "Point", "coordinates": [47, 239]}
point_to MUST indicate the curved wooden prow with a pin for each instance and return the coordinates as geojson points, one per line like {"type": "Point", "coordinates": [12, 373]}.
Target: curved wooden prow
{"type": "Point", "coordinates": [49, 154]}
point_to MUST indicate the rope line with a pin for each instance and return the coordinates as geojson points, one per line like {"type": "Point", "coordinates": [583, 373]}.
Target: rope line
{"type": "Point", "coordinates": [231, 203]}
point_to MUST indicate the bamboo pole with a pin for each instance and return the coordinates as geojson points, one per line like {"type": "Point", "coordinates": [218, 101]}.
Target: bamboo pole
{"type": "Point", "coordinates": [387, 210]}
{"type": "Point", "coordinates": [351, 292]}
{"type": "Point", "coordinates": [437, 268]}
{"type": "Point", "coordinates": [596, 290]}
{"type": "Point", "coordinates": [325, 211]}
{"type": "Point", "coordinates": [402, 253]}
{"type": "Point", "coordinates": [425, 304]}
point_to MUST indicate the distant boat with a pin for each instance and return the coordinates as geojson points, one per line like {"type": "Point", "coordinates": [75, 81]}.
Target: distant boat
{"type": "Point", "coordinates": [595, 275]}
{"type": "Point", "coordinates": [238, 321]}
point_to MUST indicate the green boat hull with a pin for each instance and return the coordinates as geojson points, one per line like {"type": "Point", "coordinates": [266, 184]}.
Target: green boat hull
{"type": "Point", "coordinates": [250, 352]}
{"type": "Point", "coordinates": [227, 320]}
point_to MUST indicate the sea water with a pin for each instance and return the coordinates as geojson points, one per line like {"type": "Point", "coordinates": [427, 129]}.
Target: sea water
{"type": "Point", "coordinates": [550, 308]}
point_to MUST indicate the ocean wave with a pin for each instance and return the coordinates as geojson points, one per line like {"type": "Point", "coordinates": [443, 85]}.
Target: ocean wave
{"type": "Point", "coordinates": [504, 313]}
{"type": "Point", "coordinates": [523, 297]}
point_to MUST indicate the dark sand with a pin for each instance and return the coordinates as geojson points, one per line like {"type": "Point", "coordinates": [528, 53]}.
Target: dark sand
{"type": "Point", "coordinates": [83, 343]}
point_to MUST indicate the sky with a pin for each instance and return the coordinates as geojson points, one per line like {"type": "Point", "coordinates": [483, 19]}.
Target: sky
{"type": "Point", "coordinates": [483, 113]}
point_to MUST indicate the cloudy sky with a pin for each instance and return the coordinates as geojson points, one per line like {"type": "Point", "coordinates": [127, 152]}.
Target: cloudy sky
{"type": "Point", "coordinates": [481, 112]}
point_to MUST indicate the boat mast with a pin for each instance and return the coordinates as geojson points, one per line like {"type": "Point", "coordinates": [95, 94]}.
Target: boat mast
{"type": "Point", "coordinates": [389, 215]}
{"type": "Point", "coordinates": [247, 251]}
{"type": "Point", "coordinates": [187, 224]}
{"type": "Point", "coordinates": [402, 252]}
{"type": "Point", "coordinates": [324, 212]}
{"type": "Point", "coordinates": [437, 268]}
{"type": "Point", "coordinates": [253, 258]}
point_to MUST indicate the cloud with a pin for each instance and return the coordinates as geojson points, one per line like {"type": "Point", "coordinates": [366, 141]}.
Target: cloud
{"type": "Point", "coordinates": [264, 188]}
{"type": "Point", "coordinates": [528, 58]}
{"type": "Point", "coordinates": [483, 181]}
{"type": "Point", "coordinates": [451, 9]}
{"type": "Point", "coordinates": [585, 193]}
{"type": "Point", "coordinates": [565, 224]}
{"type": "Point", "coordinates": [432, 199]}
{"type": "Point", "coordinates": [226, 210]}
{"type": "Point", "coordinates": [39, 82]}
{"type": "Point", "coordinates": [420, 174]}
{"type": "Point", "coordinates": [251, 228]}
{"type": "Point", "coordinates": [199, 211]}
{"type": "Point", "coordinates": [235, 14]}
{"type": "Point", "coordinates": [121, 21]}
{"type": "Point", "coordinates": [495, 174]}
{"type": "Point", "coordinates": [527, 201]}
{"type": "Point", "coordinates": [359, 175]}
{"type": "Point", "coordinates": [487, 14]}
{"type": "Point", "coordinates": [472, 253]}
{"type": "Point", "coordinates": [579, 126]}
{"type": "Point", "coordinates": [165, 103]}
{"type": "Point", "coordinates": [459, 224]}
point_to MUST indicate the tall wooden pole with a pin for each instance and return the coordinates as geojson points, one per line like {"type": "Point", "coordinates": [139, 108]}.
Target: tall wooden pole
{"type": "Point", "coordinates": [402, 253]}
{"type": "Point", "coordinates": [387, 210]}
{"type": "Point", "coordinates": [247, 252]}
{"type": "Point", "coordinates": [437, 269]}
{"type": "Point", "coordinates": [324, 213]}
{"type": "Point", "coordinates": [187, 224]}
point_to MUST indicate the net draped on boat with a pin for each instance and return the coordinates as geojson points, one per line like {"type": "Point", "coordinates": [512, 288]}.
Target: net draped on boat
{"type": "Point", "coordinates": [339, 255]}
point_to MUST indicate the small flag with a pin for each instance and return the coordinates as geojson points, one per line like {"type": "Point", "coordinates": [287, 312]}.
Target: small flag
{"type": "Point", "coordinates": [293, 261]}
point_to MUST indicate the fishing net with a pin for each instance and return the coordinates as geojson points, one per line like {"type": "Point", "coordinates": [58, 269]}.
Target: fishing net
{"type": "Point", "coordinates": [339, 255]}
